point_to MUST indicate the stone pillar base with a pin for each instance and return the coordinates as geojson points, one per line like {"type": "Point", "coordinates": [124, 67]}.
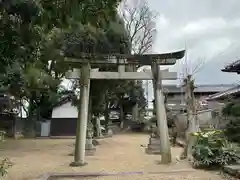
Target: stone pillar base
{"type": "Point", "coordinates": [87, 153]}
{"type": "Point", "coordinates": [109, 133]}
{"type": "Point", "coordinates": [89, 147]}
{"type": "Point", "coordinates": [153, 146]}
{"type": "Point", "coordinates": [89, 143]}
{"type": "Point", "coordinates": [77, 164]}
{"type": "Point", "coordinates": [153, 140]}
{"type": "Point", "coordinates": [90, 152]}
{"type": "Point", "coordinates": [152, 151]}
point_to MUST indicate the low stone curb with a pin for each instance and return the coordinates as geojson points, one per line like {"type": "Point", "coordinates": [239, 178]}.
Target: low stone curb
{"type": "Point", "coordinates": [79, 175]}
{"type": "Point", "coordinates": [98, 174]}
{"type": "Point", "coordinates": [233, 170]}
{"type": "Point", "coordinates": [62, 137]}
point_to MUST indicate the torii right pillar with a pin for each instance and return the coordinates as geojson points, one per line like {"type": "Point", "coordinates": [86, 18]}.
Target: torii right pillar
{"type": "Point", "coordinates": [161, 117]}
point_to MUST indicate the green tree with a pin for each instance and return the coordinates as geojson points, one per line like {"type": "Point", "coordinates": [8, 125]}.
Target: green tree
{"type": "Point", "coordinates": [108, 39]}
{"type": "Point", "coordinates": [32, 38]}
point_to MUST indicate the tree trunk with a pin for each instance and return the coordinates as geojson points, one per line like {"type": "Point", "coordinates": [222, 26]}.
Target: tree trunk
{"type": "Point", "coordinates": [193, 128]}
{"type": "Point", "coordinates": [190, 139]}
{"type": "Point", "coordinates": [98, 127]}
{"type": "Point", "coordinates": [193, 125]}
{"type": "Point", "coordinates": [135, 113]}
{"type": "Point", "coordinates": [126, 122]}
{"type": "Point", "coordinates": [106, 112]}
{"type": "Point", "coordinates": [121, 117]}
{"type": "Point", "coordinates": [30, 121]}
{"type": "Point", "coordinates": [90, 113]}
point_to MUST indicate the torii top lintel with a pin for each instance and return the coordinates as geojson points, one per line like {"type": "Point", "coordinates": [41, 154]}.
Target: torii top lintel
{"type": "Point", "coordinates": [145, 59]}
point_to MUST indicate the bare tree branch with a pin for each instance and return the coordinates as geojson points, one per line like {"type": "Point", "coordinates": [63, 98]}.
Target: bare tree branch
{"type": "Point", "coordinates": [140, 24]}
{"type": "Point", "coordinates": [198, 66]}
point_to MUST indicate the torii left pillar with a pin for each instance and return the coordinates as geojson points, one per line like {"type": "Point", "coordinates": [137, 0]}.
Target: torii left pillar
{"type": "Point", "coordinates": [80, 143]}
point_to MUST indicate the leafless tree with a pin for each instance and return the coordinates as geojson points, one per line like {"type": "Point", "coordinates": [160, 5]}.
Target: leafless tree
{"type": "Point", "coordinates": [140, 24]}
{"type": "Point", "coordinates": [189, 71]}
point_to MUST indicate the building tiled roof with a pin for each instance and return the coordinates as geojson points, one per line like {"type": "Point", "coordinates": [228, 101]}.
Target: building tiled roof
{"type": "Point", "coordinates": [224, 94]}
{"type": "Point", "coordinates": [65, 99]}
{"type": "Point", "coordinates": [200, 88]}
{"type": "Point", "coordinates": [233, 67]}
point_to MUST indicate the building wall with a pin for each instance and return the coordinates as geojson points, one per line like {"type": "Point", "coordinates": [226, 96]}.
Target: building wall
{"type": "Point", "coordinates": [63, 126]}
{"type": "Point", "coordinates": [178, 97]}
{"type": "Point", "coordinates": [175, 98]}
{"type": "Point", "coordinates": [215, 105]}
{"type": "Point", "coordinates": [64, 120]}
{"type": "Point", "coordinates": [66, 110]}
{"type": "Point", "coordinates": [178, 100]}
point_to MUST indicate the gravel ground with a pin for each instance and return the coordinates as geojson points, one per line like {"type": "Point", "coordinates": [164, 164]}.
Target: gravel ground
{"type": "Point", "coordinates": [121, 153]}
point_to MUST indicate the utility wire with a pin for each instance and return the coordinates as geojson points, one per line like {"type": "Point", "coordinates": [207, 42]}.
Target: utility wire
{"type": "Point", "coordinates": [216, 57]}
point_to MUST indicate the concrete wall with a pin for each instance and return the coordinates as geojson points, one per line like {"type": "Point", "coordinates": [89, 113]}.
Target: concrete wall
{"type": "Point", "coordinates": [179, 98]}
{"type": "Point", "coordinates": [177, 102]}
{"type": "Point", "coordinates": [206, 118]}
{"type": "Point", "coordinates": [66, 110]}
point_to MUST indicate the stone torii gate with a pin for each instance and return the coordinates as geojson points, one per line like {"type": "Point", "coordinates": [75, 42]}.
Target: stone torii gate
{"type": "Point", "coordinates": [81, 69]}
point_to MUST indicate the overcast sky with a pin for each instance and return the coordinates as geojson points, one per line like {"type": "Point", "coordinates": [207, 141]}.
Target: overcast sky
{"type": "Point", "coordinates": [209, 28]}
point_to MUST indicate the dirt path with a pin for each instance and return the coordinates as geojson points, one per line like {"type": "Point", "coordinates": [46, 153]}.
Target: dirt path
{"type": "Point", "coordinates": [121, 153]}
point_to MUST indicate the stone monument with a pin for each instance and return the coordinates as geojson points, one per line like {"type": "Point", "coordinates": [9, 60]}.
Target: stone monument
{"type": "Point", "coordinates": [89, 147]}
{"type": "Point", "coordinates": [153, 146]}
